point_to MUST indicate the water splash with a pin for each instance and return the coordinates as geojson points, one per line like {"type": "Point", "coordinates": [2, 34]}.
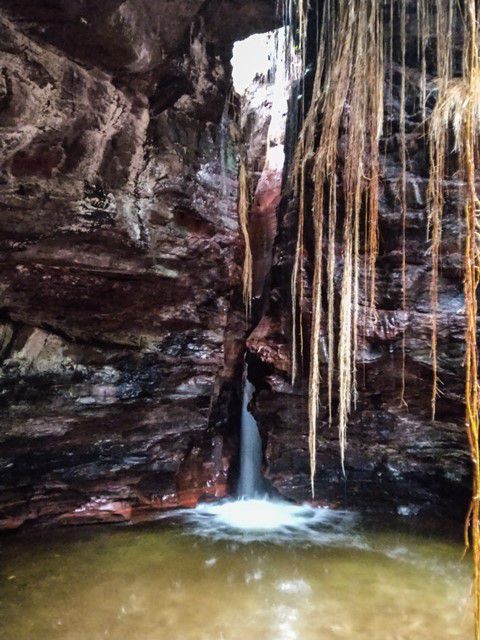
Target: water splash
{"type": "Point", "coordinates": [274, 521]}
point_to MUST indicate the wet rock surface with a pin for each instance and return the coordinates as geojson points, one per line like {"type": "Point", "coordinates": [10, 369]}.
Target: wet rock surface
{"type": "Point", "coordinates": [120, 255]}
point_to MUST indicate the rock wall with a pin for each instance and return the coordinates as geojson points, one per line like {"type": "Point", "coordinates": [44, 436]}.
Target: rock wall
{"type": "Point", "coordinates": [120, 256]}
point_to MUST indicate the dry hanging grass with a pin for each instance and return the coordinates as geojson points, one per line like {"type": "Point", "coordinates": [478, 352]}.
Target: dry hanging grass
{"type": "Point", "coordinates": [438, 139]}
{"type": "Point", "coordinates": [243, 210]}
{"type": "Point", "coordinates": [297, 272]}
{"type": "Point", "coordinates": [349, 72]}
{"type": "Point", "coordinates": [403, 184]}
{"type": "Point", "coordinates": [303, 156]}
{"type": "Point", "coordinates": [332, 225]}
{"type": "Point", "coordinates": [423, 36]}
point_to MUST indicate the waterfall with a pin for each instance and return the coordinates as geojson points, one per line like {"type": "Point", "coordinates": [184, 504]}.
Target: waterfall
{"type": "Point", "coordinates": [251, 482]}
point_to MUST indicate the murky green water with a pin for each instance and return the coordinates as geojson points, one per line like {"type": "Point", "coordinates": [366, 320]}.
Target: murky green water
{"type": "Point", "coordinates": [158, 583]}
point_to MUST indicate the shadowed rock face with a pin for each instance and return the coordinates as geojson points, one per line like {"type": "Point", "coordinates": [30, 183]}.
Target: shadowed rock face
{"type": "Point", "coordinates": [136, 36]}
{"type": "Point", "coordinates": [396, 457]}
{"type": "Point", "coordinates": [120, 251]}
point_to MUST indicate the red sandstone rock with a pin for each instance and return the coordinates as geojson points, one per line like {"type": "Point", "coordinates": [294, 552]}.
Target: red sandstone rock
{"type": "Point", "coordinates": [120, 255]}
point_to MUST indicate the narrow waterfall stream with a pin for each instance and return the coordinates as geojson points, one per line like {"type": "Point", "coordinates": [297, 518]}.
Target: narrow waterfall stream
{"type": "Point", "coordinates": [250, 484]}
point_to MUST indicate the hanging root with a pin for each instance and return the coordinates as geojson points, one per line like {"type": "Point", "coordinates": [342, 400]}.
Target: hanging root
{"type": "Point", "coordinates": [314, 380]}
{"type": "Point", "coordinates": [243, 210]}
{"type": "Point", "coordinates": [303, 156]}
{"type": "Point", "coordinates": [376, 115]}
{"type": "Point", "coordinates": [467, 142]}
{"type": "Point", "coordinates": [458, 110]}
{"type": "Point", "coordinates": [403, 187]}
{"type": "Point", "coordinates": [297, 273]}
{"type": "Point", "coordinates": [349, 71]}
{"type": "Point", "coordinates": [332, 224]}
{"type": "Point", "coordinates": [438, 139]}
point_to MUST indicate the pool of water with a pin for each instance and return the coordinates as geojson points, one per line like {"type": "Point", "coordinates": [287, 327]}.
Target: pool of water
{"type": "Point", "coordinates": [204, 576]}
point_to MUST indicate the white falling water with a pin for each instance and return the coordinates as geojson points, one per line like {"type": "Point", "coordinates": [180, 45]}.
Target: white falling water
{"type": "Point", "coordinates": [254, 516]}
{"type": "Point", "coordinates": [251, 481]}
{"type": "Point", "coordinates": [257, 514]}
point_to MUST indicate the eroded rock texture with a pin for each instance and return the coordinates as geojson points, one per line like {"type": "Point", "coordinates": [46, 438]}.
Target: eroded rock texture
{"type": "Point", "coordinates": [396, 456]}
{"type": "Point", "coordinates": [120, 254]}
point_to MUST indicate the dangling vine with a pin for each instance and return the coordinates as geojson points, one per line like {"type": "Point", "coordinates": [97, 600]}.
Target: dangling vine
{"type": "Point", "coordinates": [243, 210]}
{"type": "Point", "coordinates": [349, 71]}
{"type": "Point", "coordinates": [458, 109]}
{"type": "Point", "coordinates": [438, 139]}
{"type": "Point", "coordinates": [338, 154]}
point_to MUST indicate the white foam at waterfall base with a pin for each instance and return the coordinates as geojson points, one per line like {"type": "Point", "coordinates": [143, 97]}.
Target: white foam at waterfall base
{"type": "Point", "coordinates": [274, 521]}
{"type": "Point", "coordinates": [253, 518]}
